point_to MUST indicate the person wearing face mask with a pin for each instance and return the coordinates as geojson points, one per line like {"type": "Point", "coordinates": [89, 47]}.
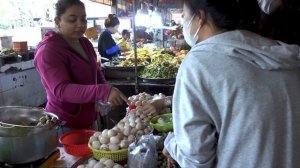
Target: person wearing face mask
{"type": "Point", "coordinates": [67, 64]}
{"type": "Point", "coordinates": [236, 96]}
{"type": "Point", "coordinates": [107, 47]}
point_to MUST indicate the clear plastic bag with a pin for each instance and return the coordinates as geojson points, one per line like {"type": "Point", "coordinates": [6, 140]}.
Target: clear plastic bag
{"type": "Point", "coordinates": [143, 154]}
{"type": "Point", "coordinates": [103, 107]}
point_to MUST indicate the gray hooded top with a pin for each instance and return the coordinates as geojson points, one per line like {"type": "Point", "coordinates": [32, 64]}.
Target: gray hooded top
{"type": "Point", "coordinates": [236, 104]}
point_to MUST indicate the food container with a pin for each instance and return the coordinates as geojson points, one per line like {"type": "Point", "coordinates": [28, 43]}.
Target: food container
{"type": "Point", "coordinates": [20, 46]}
{"type": "Point", "coordinates": [21, 144]}
{"type": "Point", "coordinates": [76, 142]}
{"type": "Point", "coordinates": [116, 72]}
{"type": "Point", "coordinates": [116, 156]}
{"type": "Point", "coordinates": [162, 127]}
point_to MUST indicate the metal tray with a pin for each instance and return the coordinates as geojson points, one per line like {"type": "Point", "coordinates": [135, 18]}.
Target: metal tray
{"type": "Point", "coordinates": [158, 80]}
{"type": "Point", "coordinates": [115, 72]}
{"type": "Point", "coordinates": [107, 65]}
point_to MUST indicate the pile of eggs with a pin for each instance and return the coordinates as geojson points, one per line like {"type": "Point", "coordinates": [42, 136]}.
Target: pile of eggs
{"type": "Point", "coordinates": [139, 99]}
{"type": "Point", "coordinates": [102, 163]}
{"type": "Point", "coordinates": [135, 124]}
{"type": "Point", "coordinates": [110, 140]}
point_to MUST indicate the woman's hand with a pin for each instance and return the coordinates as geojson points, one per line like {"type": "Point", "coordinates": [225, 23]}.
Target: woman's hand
{"type": "Point", "coordinates": [154, 106]}
{"type": "Point", "coordinates": [171, 162]}
{"type": "Point", "coordinates": [116, 97]}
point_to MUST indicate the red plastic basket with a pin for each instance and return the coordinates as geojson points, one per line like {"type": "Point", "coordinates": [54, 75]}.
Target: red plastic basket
{"type": "Point", "coordinates": [76, 142]}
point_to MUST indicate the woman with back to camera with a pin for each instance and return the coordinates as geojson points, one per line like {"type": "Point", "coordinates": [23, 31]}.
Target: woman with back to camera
{"type": "Point", "coordinates": [70, 74]}
{"type": "Point", "coordinates": [236, 97]}
{"type": "Point", "coordinates": [107, 47]}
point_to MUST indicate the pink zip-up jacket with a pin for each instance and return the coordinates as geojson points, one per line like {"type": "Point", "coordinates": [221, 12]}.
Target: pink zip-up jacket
{"type": "Point", "coordinates": [72, 84]}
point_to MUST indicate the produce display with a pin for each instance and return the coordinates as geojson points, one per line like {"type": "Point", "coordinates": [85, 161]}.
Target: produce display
{"type": "Point", "coordinates": [127, 131]}
{"type": "Point", "coordinates": [102, 163]}
{"type": "Point", "coordinates": [7, 51]}
{"type": "Point", "coordinates": [162, 66]}
{"type": "Point", "coordinates": [130, 62]}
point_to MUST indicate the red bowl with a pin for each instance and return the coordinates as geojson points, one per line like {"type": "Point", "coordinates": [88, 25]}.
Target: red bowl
{"type": "Point", "coordinates": [76, 142]}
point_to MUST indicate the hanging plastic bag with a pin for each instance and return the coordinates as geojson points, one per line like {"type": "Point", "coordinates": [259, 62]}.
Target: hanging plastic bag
{"type": "Point", "coordinates": [143, 154]}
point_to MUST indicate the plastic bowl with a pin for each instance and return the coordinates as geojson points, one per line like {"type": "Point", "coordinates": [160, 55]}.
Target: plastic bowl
{"type": "Point", "coordinates": [76, 142]}
{"type": "Point", "coordinates": [162, 127]}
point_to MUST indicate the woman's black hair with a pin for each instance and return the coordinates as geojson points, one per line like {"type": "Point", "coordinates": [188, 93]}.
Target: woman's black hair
{"type": "Point", "coordinates": [62, 5]}
{"type": "Point", "coordinates": [279, 24]}
{"type": "Point", "coordinates": [111, 21]}
{"type": "Point", "coordinates": [224, 13]}
{"type": "Point", "coordinates": [124, 32]}
{"type": "Point", "coordinates": [246, 14]}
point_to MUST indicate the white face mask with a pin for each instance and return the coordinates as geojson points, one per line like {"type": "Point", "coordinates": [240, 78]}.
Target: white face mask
{"type": "Point", "coordinates": [190, 40]}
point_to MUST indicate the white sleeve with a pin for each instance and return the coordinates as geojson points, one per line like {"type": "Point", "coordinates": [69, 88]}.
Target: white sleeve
{"type": "Point", "coordinates": [194, 141]}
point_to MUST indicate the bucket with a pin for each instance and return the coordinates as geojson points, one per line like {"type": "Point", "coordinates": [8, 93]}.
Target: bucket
{"type": "Point", "coordinates": [5, 42]}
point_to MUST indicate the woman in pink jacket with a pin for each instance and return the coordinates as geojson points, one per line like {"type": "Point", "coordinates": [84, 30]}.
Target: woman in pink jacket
{"type": "Point", "coordinates": [70, 74]}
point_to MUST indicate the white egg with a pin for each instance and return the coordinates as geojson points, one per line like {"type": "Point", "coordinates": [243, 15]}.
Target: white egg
{"type": "Point", "coordinates": [104, 133]}
{"type": "Point", "coordinates": [96, 144]}
{"type": "Point", "coordinates": [126, 131]}
{"type": "Point", "coordinates": [102, 160]}
{"type": "Point", "coordinates": [96, 134]}
{"type": "Point", "coordinates": [131, 138]}
{"type": "Point", "coordinates": [114, 140]}
{"type": "Point", "coordinates": [81, 166]}
{"type": "Point", "coordinates": [124, 144]}
{"type": "Point", "coordinates": [112, 133]}
{"type": "Point", "coordinates": [121, 125]}
{"type": "Point", "coordinates": [117, 166]}
{"type": "Point", "coordinates": [120, 135]}
{"type": "Point", "coordinates": [104, 147]}
{"type": "Point", "coordinates": [92, 139]}
{"type": "Point", "coordinates": [138, 103]}
{"type": "Point", "coordinates": [137, 120]}
{"type": "Point", "coordinates": [99, 165]}
{"type": "Point", "coordinates": [132, 124]}
{"type": "Point", "coordinates": [104, 140]}
{"type": "Point", "coordinates": [138, 126]}
{"type": "Point", "coordinates": [109, 163]}
{"type": "Point", "coordinates": [113, 147]}
{"type": "Point", "coordinates": [92, 162]}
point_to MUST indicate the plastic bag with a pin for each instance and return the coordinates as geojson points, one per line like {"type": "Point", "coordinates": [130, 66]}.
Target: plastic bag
{"type": "Point", "coordinates": [143, 154]}
{"type": "Point", "coordinates": [103, 108]}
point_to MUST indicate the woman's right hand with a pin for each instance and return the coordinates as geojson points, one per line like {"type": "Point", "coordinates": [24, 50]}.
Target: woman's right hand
{"type": "Point", "coordinates": [154, 106]}
{"type": "Point", "coordinates": [116, 97]}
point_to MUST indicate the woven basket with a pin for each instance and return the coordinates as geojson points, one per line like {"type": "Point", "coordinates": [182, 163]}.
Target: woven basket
{"type": "Point", "coordinates": [116, 156]}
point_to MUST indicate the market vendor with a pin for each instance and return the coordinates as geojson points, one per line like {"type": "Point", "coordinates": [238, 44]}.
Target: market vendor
{"type": "Point", "coordinates": [123, 43]}
{"type": "Point", "coordinates": [107, 46]}
{"type": "Point", "coordinates": [66, 62]}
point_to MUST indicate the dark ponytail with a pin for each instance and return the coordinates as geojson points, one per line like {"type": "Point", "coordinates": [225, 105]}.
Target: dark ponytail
{"type": "Point", "coordinates": [111, 21]}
